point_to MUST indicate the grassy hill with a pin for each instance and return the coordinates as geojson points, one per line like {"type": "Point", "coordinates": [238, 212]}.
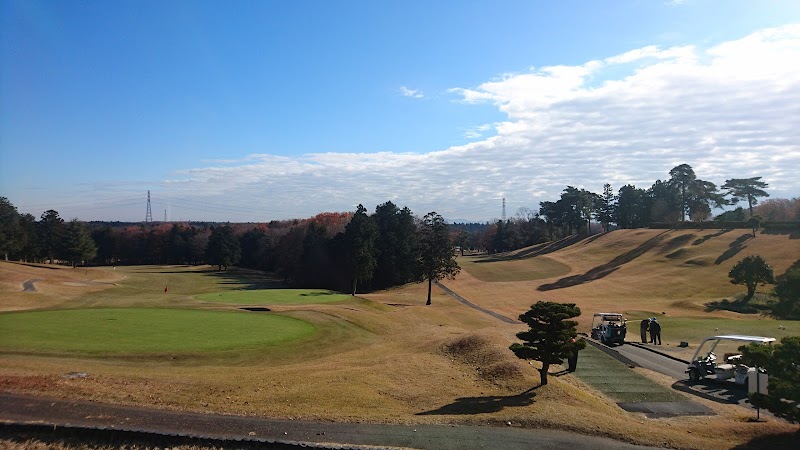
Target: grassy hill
{"type": "Point", "coordinates": [385, 357]}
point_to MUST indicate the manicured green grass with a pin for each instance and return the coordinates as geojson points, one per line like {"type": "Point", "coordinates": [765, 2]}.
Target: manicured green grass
{"type": "Point", "coordinates": [275, 296]}
{"type": "Point", "coordinates": [616, 380]}
{"type": "Point", "coordinates": [486, 268]}
{"type": "Point", "coordinates": [132, 331]}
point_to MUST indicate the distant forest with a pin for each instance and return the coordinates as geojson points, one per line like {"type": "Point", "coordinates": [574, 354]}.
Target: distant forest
{"type": "Point", "coordinates": [382, 249]}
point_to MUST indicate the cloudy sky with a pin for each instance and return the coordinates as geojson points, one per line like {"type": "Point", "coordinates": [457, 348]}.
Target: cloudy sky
{"type": "Point", "coordinates": [253, 111]}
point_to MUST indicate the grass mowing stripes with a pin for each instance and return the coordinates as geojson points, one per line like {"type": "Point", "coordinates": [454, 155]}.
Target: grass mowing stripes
{"type": "Point", "coordinates": [275, 296]}
{"type": "Point", "coordinates": [144, 331]}
{"type": "Point", "coordinates": [616, 380]}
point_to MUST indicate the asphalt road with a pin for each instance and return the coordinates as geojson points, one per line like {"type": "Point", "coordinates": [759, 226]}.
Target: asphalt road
{"type": "Point", "coordinates": [653, 361]}
{"type": "Point", "coordinates": [37, 410]}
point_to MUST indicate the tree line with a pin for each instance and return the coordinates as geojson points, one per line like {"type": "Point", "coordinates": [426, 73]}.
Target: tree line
{"type": "Point", "coordinates": [347, 252]}
{"type": "Point", "coordinates": [679, 199]}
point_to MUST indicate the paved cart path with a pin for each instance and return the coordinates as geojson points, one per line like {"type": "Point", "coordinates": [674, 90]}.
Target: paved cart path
{"type": "Point", "coordinates": [29, 409]}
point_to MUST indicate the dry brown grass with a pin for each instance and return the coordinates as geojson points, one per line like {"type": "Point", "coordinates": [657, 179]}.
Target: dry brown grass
{"type": "Point", "coordinates": [389, 358]}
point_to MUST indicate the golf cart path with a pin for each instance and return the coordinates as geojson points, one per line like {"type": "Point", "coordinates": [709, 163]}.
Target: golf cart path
{"type": "Point", "coordinates": [26, 409]}
{"type": "Point", "coordinates": [476, 307]}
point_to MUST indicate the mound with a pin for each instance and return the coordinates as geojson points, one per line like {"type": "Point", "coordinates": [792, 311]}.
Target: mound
{"type": "Point", "coordinates": [493, 362]}
{"type": "Point", "coordinates": [703, 262]}
{"type": "Point", "coordinates": [681, 252]}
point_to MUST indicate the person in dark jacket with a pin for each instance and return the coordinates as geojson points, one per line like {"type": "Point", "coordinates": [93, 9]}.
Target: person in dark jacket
{"type": "Point", "coordinates": [643, 327]}
{"type": "Point", "coordinates": [573, 358]}
{"type": "Point", "coordinates": [655, 332]}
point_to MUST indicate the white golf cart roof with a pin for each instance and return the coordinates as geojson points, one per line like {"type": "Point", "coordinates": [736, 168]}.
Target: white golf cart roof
{"type": "Point", "coordinates": [740, 337]}
{"type": "Point", "coordinates": [607, 314]}
{"type": "Point", "coordinates": [729, 337]}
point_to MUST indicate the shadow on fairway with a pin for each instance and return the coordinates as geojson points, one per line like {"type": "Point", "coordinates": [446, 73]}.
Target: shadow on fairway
{"type": "Point", "coordinates": [710, 236]}
{"type": "Point", "coordinates": [606, 269]}
{"type": "Point", "coordinates": [735, 247]}
{"type": "Point", "coordinates": [481, 405]}
{"type": "Point", "coordinates": [318, 294]}
{"type": "Point", "coordinates": [771, 441]}
{"type": "Point", "coordinates": [247, 281]}
{"type": "Point", "coordinates": [536, 250]}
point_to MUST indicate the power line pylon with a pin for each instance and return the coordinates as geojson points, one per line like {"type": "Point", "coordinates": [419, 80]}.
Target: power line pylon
{"type": "Point", "coordinates": [149, 216]}
{"type": "Point", "coordinates": [504, 209]}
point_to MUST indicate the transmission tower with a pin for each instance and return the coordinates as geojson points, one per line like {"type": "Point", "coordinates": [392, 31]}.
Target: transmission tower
{"type": "Point", "coordinates": [149, 216]}
{"type": "Point", "coordinates": [504, 209]}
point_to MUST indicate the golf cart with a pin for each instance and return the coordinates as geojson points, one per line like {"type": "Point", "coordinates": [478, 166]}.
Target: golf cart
{"type": "Point", "coordinates": [731, 367]}
{"type": "Point", "coordinates": [609, 328]}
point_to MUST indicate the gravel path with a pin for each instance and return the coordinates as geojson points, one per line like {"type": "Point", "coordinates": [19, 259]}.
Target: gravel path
{"type": "Point", "coordinates": [15, 408]}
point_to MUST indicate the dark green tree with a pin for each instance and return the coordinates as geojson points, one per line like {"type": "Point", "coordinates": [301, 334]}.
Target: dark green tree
{"type": "Point", "coordinates": [550, 337]}
{"type": "Point", "coordinates": [9, 228]}
{"type": "Point", "coordinates": [787, 291]}
{"type": "Point", "coordinates": [664, 199]}
{"type": "Point", "coordinates": [751, 271]}
{"type": "Point", "coordinates": [78, 244]}
{"type": "Point", "coordinates": [50, 233]}
{"type": "Point", "coordinates": [360, 236]}
{"type": "Point", "coordinates": [223, 248]}
{"type": "Point", "coordinates": [696, 196]}
{"type": "Point", "coordinates": [632, 207]}
{"type": "Point", "coordinates": [606, 207]}
{"type": "Point", "coordinates": [737, 215]}
{"type": "Point", "coordinates": [780, 363]}
{"type": "Point", "coordinates": [396, 246]}
{"type": "Point", "coordinates": [746, 189]}
{"type": "Point", "coordinates": [436, 258]}
{"type": "Point", "coordinates": [755, 223]}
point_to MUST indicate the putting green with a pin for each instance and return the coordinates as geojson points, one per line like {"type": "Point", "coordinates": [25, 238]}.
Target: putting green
{"type": "Point", "coordinates": [145, 331]}
{"type": "Point", "coordinates": [275, 296]}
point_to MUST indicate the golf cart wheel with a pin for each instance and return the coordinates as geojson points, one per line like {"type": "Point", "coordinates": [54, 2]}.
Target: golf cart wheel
{"type": "Point", "coordinates": [694, 375]}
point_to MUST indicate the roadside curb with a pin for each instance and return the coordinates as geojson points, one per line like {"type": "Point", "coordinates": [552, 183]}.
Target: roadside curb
{"type": "Point", "coordinates": [652, 350]}
{"type": "Point", "coordinates": [611, 352]}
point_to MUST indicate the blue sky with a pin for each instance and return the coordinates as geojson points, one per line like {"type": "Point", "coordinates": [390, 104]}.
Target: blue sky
{"type": "Point", "coordinates": [264, 110]}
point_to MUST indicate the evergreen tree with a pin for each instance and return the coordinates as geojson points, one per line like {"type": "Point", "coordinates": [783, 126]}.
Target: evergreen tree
{"type": "Point", "coordinates": [10, 230]}
{"type": "Point", "coordinates": [360, 236]}
{"type": "Point", "coordinates": [396, 246]}
{"type": "Point", "coordinates": [223, 248]}
{"type": "Point", "coordinates": [606, 208]}
{"type": "Point", "coordinates": [746, 189]}
{"type": "Point", "coordinates": [50, 232]}
{"type": "Point", "coordinates": [436, 258]}
{"type": "Point", "coordinates": [550, 337]}
{"type": "Point", "coordinates": [632, 208]}
{"type": "Point", "coordinates": [751, 271]}
{"type": "Point", "coordinates": [787, 290]}
{"type": "Point", "coordinates": [78, 244]}
{"type": "Point", "coordinates": [780, 362]}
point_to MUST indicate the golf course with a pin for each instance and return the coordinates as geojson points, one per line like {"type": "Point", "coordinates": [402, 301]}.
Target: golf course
{"type": "Point", "coordinates": [192, 338]}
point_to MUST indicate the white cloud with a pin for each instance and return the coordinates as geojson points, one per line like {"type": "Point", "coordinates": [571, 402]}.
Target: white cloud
{"type": "Point", "coordinates": [414, 93]}
{"type": "Point", "coordinates": [729, 111]}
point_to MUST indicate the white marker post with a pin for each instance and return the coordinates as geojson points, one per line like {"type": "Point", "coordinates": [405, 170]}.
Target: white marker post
{"type": "Point", "coordinates": [758, 385]}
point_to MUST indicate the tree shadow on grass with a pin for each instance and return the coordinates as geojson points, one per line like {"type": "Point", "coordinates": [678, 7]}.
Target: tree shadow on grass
{"type": "Point", "coordinates": [481, 405]}
{"type": "Point", "coordinates": [788, 439]}
{"type": "Point", "coordinates": [710, 236]}
{"type": "Point", "coordinates": [607, 268]}
{"type": "Point", "coordinates": [735, 247]}
{"type": "Point", "coordinates": [536, 250]}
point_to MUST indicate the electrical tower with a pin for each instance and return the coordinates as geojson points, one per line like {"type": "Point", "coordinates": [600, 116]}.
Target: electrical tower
{"type": "Point", "coordinates": [149, 216]}
{"type": "Point", "coordinates": [165, 215]}
{"type": "Point", "coordinates": [504, 209]}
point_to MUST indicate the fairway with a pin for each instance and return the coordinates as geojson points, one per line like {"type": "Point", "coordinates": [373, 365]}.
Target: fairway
{"type": "Point", "coordinates": [489, 269]}
{"type": "Point", "coordinates": [275, 296]}
{"type": "Point", "coordinates": [106, 332]}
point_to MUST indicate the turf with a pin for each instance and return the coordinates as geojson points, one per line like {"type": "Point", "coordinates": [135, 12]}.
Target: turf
{"type": "Point", "coordinates": [275, 297]}
{"type": "Point", "coordinates": [616, 380]}
{"type": "Point", "coordinates": [144, 331]}
{"type": "Point", "coordinates": [512, 268]}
